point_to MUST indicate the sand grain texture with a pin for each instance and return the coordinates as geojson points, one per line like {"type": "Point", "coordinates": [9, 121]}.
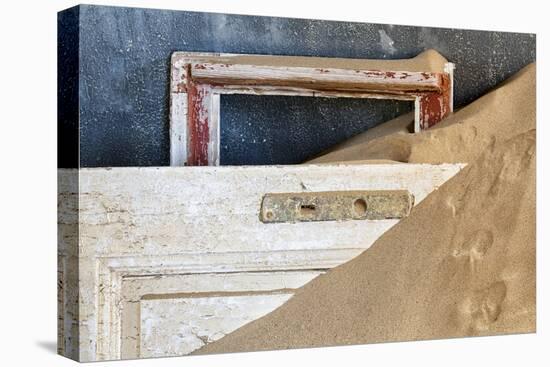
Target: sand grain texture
{"type": "Point", "coordinates": [463, 263]}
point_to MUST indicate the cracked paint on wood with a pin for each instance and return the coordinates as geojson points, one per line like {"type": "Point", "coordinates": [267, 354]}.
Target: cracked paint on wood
{"type": "Point", "coordinates": [198, 321]}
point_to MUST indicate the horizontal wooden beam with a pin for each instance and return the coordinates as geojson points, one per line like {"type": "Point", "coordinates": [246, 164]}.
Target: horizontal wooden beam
{"type": "Point", "coordinates": [317, 78]}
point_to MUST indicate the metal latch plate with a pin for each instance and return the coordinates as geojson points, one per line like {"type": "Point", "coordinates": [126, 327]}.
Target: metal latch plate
{"type": "Point", "coordinates": [335, 206]}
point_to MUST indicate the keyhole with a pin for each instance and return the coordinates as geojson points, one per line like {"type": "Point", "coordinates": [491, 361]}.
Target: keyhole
{"type": "Point", "coordinates": [307, 209]}
{"type": "Point", "coordinates": [360, 207]}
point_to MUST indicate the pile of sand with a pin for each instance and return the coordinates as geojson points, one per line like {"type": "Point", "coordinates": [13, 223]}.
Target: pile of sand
{"type": "Point", "coordinates": [462, 264]}
{"type": "Point", "coordinates": [505, 112]}
{"type": "Point", "coordinates": [428, 61]}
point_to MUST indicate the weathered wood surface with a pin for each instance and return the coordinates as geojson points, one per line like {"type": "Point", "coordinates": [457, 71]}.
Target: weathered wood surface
{"type": "Point", "coordinates": [198, 79]}
{"type": "Point", "coordinates": [141, 240]}
{"type": "Point", "coordinates": [213, 306]}
{"type": "Point", "coordinates": [326, 79]}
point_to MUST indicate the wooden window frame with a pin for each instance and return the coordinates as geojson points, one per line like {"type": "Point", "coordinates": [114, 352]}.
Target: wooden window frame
{"type": "Point", "coordinates": [198, 80]}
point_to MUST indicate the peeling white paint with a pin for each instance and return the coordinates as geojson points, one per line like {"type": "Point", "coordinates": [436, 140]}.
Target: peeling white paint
{"type": "Point", "coordinates": [194, 322]}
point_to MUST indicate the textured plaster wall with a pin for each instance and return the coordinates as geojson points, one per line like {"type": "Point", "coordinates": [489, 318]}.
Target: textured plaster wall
{"type": "Point", "coordinates": [122, 57]}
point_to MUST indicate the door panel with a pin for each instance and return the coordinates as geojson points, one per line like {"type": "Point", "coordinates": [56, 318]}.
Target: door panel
{"type": "Point", "coordinates": [202, 308]}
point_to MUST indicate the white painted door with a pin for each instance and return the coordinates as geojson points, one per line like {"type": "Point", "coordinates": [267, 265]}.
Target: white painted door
{"type": "Point", "coordinates": [159, 261]}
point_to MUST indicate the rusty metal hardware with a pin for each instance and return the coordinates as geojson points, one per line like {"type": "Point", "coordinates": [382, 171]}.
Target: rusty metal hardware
{"type": "Point", "coordinates": [335, 206]}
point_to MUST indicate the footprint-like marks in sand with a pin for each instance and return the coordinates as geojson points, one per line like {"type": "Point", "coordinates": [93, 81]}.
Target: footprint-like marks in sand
{"type": "Point", "coordinates": [511, 170]}
{"type": "Point", "coordinates": [476, 246]}
{"type": "Point", "coordinates": [481, 307]}
{"type": "Point", "coordinates": [455, 204]}
{"type": "Point", "coordinates": [485, 306]}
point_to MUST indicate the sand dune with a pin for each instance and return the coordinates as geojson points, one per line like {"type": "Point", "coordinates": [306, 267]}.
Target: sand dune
{"type": "Point", "coordinates": [462, 264]}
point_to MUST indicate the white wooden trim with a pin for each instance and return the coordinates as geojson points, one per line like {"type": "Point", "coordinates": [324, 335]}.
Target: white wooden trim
{"type": "Point", "coordinates": [450, 70]}
{"type": "Point", "coordinates": [178, 129]}
{"type": "Point", "coordinates": [417, 115]}
{"type": "Point", "coordinates": [214, 130]}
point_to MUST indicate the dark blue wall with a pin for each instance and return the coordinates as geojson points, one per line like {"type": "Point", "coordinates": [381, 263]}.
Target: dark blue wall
{"type": "Point", "coordinates": [67, 88]}
{"type": "Point", "coordinates": [123, 54]}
